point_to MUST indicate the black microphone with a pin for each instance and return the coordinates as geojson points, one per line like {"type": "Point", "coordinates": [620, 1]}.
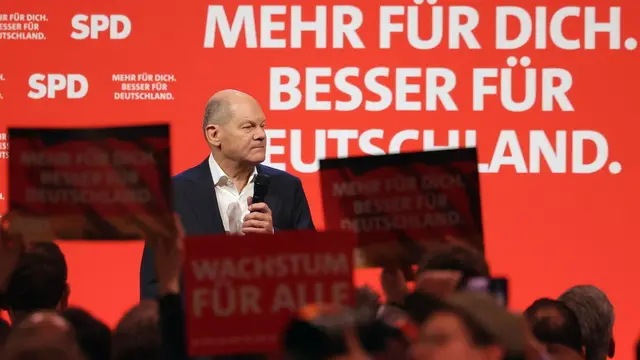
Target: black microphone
{"type": "Point", "coordinates": [260, 188]}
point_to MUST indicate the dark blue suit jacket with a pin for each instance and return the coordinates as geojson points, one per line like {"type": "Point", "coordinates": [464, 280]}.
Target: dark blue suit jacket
{"type": "Point", "coordinates": [194, 199]}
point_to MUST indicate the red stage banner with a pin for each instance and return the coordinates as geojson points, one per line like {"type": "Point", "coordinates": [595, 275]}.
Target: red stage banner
{"type": "Point", "coordinates": [544, 89]}
{"type": "Point", "coordinates": [109, 184]}
{"type": "Point", "coordinates": [400, 204]}
{"type": "Point", "coordinates": [240, 292]}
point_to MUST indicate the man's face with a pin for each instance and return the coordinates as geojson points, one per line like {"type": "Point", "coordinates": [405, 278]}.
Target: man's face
{"type": "Point", "coordinates": [445, 337]}
{"type": "Point", "coordinates": [243, 139]}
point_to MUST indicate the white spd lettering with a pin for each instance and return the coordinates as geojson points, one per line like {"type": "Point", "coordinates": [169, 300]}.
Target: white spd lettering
{"type": "Point", "coordinates": [48, 86]}
{"type": "Point", "coordinates": [90, 26]}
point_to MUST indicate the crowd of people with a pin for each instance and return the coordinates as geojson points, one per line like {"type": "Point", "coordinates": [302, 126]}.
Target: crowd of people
{"type": "Point", "coordinates": [433, 319]}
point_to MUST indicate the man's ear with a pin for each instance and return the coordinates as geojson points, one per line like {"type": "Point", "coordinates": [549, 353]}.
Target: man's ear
{"type": "Point", "coordinates": [64, 301]}
{"type": "Point", "coordinates": [612, 347]}
{"type": "Point", "coordinates": [212, 133]}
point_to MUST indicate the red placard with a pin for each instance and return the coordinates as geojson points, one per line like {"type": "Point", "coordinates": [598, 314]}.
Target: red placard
{"type": "Point", "coordinates": [399, 204]}
{"type": "Point", "coordinates": [240, 292]}
{"type": "Point", "coordinates": [110, 184]}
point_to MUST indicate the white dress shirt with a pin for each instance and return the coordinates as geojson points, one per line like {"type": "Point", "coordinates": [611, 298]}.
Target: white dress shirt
{"type": "Point", "coordinates": [231, 202]}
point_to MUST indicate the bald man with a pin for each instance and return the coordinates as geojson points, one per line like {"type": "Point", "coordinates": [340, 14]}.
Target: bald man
{"type": "Point", "coordinates": [42, 335]}
{"type": "Point", "coordinates": [214, 197]}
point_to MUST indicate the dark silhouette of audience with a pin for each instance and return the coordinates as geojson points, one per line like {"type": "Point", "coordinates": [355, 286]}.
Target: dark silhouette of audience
{"type": "Point", "coordinates": [437, 320]}
{"type": "Point", "coordinates": [93, 336]}
{"type": "Point", "coordinates": [39, 282]}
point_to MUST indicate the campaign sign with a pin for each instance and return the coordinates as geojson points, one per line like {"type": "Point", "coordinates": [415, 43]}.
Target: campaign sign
{"type": "Point", "coordinates": [92, 184]}
{"type": "Point", "coordinates": [399, 204]}
{"type": "Point", "coordinates": [241, 291]}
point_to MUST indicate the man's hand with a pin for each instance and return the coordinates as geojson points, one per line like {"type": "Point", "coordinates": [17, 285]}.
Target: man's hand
{"type": "Point", "coordinates": [367, 301]}
{"type": "Point", "coordinates": [259, 220]}
{"type": "Point", "coordinates": [10, 250]}
{"type": "Point", "coordinates": [169, 254]}
{"type": "Point", "coordinates": [394, 285]}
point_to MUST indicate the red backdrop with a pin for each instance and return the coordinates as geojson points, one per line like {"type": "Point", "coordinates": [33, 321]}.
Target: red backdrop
{"type": "Point", "coordinates": [546, 228]}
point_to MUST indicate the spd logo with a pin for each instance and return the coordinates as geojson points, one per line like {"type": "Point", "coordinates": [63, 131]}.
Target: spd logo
{"type": "Point", "coordinates": [116, 27]}
{"type": "Point", "coordinates": [49, 86]}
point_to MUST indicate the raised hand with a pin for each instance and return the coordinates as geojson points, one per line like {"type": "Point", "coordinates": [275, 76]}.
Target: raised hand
{"type": "Point", "coordinates": [169, 255]}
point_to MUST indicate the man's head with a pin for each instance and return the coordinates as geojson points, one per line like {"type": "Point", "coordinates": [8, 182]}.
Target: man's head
{"type": "Point", "coordinates": [42, 336]}
{"type": "Point", "coordinates": [233, 125]}
{"type": "Point", "coordinates": [455, 256]}
{"type": "Point", "coordinates": [137, 335]}
{"type": "Point", "coordinates": [554, 325]}
{"type": "Point", "coordinates": [596, 316]}
{"type": "Point", "coordinates": [39, 282]}
{"type": "Point", "coordinates": [444, 267]}
{"type": "Point", "coordinates": [470, 326]}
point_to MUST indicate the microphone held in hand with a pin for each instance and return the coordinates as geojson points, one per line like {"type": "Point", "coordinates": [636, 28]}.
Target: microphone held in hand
{"type": "Point", "coordinates": [260, 188]}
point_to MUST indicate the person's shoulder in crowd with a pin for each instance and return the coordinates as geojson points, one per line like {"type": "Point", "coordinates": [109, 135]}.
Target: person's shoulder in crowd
{"type": "Point", "coordinates": [93, 336]}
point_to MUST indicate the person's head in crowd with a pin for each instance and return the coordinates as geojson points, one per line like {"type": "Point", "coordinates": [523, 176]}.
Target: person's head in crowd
{"type": "Point", "coordinates": [470, 326]}
{"type": "Point", "coordinates": [556, 326]}
{"type": "Point", "coordinates": [137, 335]}
{"type": "Point", "coordinates": [318, 333]}
{"type": "Point", "coordinates": [419, 306]}
{"type": "Point", "coordinates": [233, 125]}
{"type": "Point", "coordinates": [383, 341]}
{"type": "Point", "coordinates": [446, 266]}
{"type": "Point", "coordinates": [93, 336]}
{"type": "Point", "coordinates": [596, 317]}
{"type": "Point", "coordinates": [39, 282]}
{"type": "Point", "coordinates": [42, 336]}
{"type": "Point", "coordinates": [455, 256]}
{"type": "Point", "coordinates": [4, 332]}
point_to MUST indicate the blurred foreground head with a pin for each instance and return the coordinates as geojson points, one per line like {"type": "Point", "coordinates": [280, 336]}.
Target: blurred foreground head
{"type": "Point", "coordinates": [596, 316]}
{"type": "Point", "coordinates": [137, 335]}
{"type": "Point", "coordinates": [455, 256]}
{"type": "Point", "coordinates": [446, 266]}
{"type": "Point", "coordinates": [39, 282]}
{"type": "Point", "coordinates": [42, 336]}
{"type": "Point", "coordinates": [93, 336]}
{"type": "Point", "coordinates": [319, 334]}
{"type": "Point", "coordinates": [470, 326]}
{"type": "Point", "coordinates": [556, 327]}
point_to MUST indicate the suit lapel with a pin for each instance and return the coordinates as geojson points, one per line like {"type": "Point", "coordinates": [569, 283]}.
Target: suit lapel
{"type": "Point", "coordinates": [203, 200]}
{"type": "Point", "coordinates": [272, 198]}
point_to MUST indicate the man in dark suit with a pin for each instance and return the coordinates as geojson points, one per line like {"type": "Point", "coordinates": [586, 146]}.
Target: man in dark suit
{"type": "Point", "coordinates": [215, 196]}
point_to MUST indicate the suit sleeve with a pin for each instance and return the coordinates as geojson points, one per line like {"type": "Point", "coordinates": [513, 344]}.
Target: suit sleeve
{"type": "Point", "coordinates": [301, 213]}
